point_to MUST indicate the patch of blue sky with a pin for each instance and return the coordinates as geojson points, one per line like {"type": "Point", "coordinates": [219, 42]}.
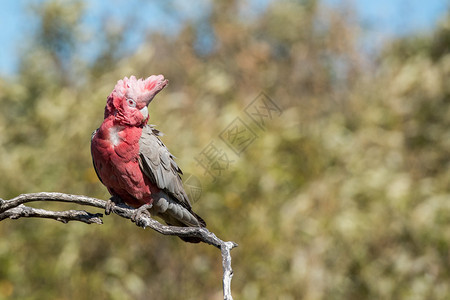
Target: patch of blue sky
{"type": "Point", "coordinates": [380, 20]}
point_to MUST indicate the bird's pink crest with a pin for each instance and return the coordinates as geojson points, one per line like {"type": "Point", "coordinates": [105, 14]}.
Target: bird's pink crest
{"type": "Point", "coordinates": [140, 90]}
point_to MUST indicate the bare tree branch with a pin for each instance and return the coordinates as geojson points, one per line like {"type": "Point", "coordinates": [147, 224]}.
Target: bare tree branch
{"type": "Point", "coordinates": [15, 208]}
{"type": "Point", "coordinates": [23, 211]}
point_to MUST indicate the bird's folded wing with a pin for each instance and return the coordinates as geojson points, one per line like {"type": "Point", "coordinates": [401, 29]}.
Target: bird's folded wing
{"type": "Point", "coordinates": [159, 166]}
{"type": "Point", "coordinates": [93, 156]}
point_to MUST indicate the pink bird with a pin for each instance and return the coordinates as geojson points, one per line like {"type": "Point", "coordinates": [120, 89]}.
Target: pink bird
{"type": "Point", "coordinates": [131, 160]}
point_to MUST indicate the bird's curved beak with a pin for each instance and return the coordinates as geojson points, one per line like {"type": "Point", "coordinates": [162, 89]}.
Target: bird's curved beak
{"type": "Point", "coordinates": [144, 112]}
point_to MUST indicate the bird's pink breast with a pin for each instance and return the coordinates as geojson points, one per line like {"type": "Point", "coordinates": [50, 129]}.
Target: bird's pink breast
{"type": "Point", "coordinates": [116, 152]}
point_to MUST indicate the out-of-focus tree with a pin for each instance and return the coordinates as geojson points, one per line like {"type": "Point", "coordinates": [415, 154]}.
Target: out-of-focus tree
{"type": "Point", "coordinates": [345, 195]}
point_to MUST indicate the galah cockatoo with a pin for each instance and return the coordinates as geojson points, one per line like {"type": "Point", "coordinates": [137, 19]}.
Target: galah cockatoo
{"type": "Point", "coordinates": [131, 160]}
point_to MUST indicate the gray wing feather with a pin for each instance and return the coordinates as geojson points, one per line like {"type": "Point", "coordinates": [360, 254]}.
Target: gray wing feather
{"type": "Point", "coordinates": [93, 162]}
{"type": "Point", "coordinates": [159, 165]}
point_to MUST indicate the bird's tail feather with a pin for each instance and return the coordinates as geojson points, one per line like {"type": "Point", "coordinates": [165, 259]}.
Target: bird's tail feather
{"type": "Point", "coordinates": [176, 214]}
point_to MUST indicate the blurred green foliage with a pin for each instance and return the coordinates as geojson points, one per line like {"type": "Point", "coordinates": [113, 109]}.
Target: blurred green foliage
{"type": "Point", "coordinates": [344, 196]}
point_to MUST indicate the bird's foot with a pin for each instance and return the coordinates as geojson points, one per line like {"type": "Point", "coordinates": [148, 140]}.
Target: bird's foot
{"type": "Point", "coordinates": [113, 201]}
{"type": "Point", "coordinates": [142, 210]}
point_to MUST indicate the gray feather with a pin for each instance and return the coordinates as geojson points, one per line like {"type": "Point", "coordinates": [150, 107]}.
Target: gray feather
{"type": "Point", "coordinates": [93, 162]}
{"type": "Point", "coordinates": [160, 167]}
{"type": "Point", "coordinates": [174, 213]}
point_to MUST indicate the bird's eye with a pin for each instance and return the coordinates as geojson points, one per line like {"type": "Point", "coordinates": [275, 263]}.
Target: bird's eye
{"type": "Point", "coordinates": [131, 102]}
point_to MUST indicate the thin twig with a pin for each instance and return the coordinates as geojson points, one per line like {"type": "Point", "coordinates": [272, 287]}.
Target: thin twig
{"type": "Point", "coordinates": [23, 211]}
{"type": "Point", "coordinates": [15, 208]}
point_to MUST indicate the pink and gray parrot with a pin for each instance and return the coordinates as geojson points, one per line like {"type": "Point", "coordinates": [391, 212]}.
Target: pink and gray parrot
{"type": "Point", "coordinates": [131, 160]}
